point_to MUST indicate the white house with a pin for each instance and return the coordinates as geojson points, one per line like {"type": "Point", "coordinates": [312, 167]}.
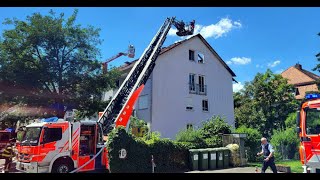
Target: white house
{"type": "Point", "coordinates": [189, 84]}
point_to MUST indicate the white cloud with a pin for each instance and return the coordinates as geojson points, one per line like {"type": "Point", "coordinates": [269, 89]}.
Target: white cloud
{"type": "Point", "coordinates": [172, 32]}
{"type": "Point", "coordinates": [274, 64]}
{"type": "Point", "coordinates": [217, 30]}
{"type": "Point", "coordinates": [279, 71]}
{"type": "Point", "coordinates": [259, 66]}
{"type": "Point", "coordinates": [239, 60]}
{"type": "Point", "coordinates": [237, 24]}
{"type": "Point", "coordinates": [237, 87]}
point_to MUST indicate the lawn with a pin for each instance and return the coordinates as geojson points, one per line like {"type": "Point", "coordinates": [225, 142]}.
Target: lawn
{"type": "Point", "coordinates": [295, 165]}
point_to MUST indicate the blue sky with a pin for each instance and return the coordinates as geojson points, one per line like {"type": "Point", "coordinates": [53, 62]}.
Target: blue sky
{"type": "Point", "coordinates": [250, 40]}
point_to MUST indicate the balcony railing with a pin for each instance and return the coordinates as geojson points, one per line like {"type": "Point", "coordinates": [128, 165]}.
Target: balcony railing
{"type": "Point", "coordinates": [198, 89]}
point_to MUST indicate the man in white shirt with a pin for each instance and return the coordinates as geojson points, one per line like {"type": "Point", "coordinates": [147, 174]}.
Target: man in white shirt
{"type": "Point", "coordinates": [267, 152]}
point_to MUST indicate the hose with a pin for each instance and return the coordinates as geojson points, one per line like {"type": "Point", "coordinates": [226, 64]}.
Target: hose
{"type": "Point", "coordinates": [105, 145]}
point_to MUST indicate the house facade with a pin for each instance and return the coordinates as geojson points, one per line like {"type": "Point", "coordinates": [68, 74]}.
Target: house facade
{"type": "Point", "coordinates": [302, 80]}
{"type": "Point", "coordinates": [189, 84]}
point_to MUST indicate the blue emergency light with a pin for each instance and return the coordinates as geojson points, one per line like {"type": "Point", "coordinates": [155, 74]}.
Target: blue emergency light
{"type": "Point", "coordinates": [312, 96]}
{"type": "Point", "coordinates": [52, 119]}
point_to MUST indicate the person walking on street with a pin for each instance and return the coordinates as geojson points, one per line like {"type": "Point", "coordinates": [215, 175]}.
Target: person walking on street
{"type": "Point", "coordinates": [268, 158]}
{"type": "Point", "coordinates": [8, 154]}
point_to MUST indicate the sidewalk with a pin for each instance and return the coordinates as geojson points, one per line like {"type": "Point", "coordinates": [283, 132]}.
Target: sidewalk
{"type": "Point", "coordinates": [233, 170]}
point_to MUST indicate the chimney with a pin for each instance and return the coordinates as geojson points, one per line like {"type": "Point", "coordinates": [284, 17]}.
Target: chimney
{"type": "Point", "coordinates": [298, 66]}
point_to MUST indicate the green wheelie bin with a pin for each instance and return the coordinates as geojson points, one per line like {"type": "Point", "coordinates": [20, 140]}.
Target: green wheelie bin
{"type": "Point", "coordinates": [203, 159]}
{"type": "Point", "coordinates": [226, 157]}
{"type": "Point", "coordinates": [212, 158]}
{"type": "Point", "coordinates": [194, 159]}
{"type": "Point", "coordinates": [219, 158]}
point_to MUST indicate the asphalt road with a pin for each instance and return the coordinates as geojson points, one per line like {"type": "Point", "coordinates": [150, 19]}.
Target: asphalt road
{"type": "Point", "coordinates": [233, 170]}
{"type": "Point", "coordinates": [229, 170]}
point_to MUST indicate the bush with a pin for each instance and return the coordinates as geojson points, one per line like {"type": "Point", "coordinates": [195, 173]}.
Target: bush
{"type": "Point", "coordinates": [252, 142]}
{"type": "Point", "coordinates": [212, 130]}
{"type": "Point", "coordinates": [138, 156]}
{"type": "Point", "coordinates": [192, 138]}
{"type": "Point", "coordinates": [168, 156]}
{"type": "Point", "coordinates": [138, 127]}
{"type": "Point", "coordinates": [285, 143]}
{"type": "Point", "coordinates": [208, 135]}
{"type": "Point", "coordinates": [214, 126]}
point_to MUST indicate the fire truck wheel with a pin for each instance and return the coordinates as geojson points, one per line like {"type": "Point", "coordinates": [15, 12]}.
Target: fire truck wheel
{"type": "Point", "coordinates": [62, 166]}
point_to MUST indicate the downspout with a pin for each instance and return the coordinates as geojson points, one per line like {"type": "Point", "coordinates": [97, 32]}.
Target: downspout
{"type": "Point", "coordinates": [151, 95]}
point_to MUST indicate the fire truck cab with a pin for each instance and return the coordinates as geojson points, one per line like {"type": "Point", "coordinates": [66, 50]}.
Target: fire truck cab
{"type": "Point", "coordinates": [308, 128]}
{"type": "Point", "coordinates": [60, 146]}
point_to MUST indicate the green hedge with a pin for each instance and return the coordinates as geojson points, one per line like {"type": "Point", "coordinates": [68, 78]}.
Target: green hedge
{"type": "Point", "coordinates": [168, 155]}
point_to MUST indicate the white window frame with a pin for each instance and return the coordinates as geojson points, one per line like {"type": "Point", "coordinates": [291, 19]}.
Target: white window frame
{"type": "Point", "coordinates": [203, 107]}
{"type": "Point", "coordinates": [189, 106]}
{"type": "Point", "coordinates": [194, 82]}
{"type": "Point", "coordinates": [204, 83]}
{"type": "Point", "coordinates": [189, 125]}
{"type": "Point", "coordinates": [198, 57]}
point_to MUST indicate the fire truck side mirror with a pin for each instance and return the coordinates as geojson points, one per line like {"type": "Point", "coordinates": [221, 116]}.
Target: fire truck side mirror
{"type": "Point", "coordinates": [298, 122]}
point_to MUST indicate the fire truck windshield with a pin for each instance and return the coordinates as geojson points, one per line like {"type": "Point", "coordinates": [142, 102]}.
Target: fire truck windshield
{"type": "Point", "coordinates": [312, 121]}
{"type": "Point", "coordinates": [31, 137]}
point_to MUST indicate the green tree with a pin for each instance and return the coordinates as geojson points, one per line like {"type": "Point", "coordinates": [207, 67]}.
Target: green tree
{"type": "Point", "coordinates": [266, 102]}
{"type": "Point", "coordinates": [291, 121]}
{"type": "Point", "coordinates": [49, 59]}
{"type": "Point", "coordinates": [285, 143]}
{"type": "Point", "coordinates": [317, 68]}
{"type": "Point", "coordinates": [252, 141]}
{"type": "Point", "coordinates": [213, 129]}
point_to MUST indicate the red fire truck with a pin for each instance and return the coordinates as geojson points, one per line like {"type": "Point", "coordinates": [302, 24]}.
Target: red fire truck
{"type": "Point", "coordinates": [308, 127]}
{"type": "Point", "coordinates": [57, 145]}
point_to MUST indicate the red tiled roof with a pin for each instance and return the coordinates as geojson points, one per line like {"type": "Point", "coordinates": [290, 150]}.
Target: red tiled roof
{"type": "Point", "coordinates": [129, 65]}
{"type": "Point", "coordinates": [296, 75]}
{"type": "Point", "coordinates": [302, 79]}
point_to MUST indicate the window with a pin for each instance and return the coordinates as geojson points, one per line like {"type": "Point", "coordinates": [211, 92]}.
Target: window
{"type": "Point", "coordinates": [189, 105]}
{"type": "Point", "coordinates": [143, 102]}
{"type": "Point", "coordinates": [201, 84]}
{"type": "Point", "coordinates": [52, 134]}
{"type": "Point", "coordinates": [192, 86]}
{"type": "Point", "coordinates": [189, 126]}
{"type": "Point", "coordinates": [205, 105]}
{"type": "Point", "coordinates": [31, 136]}
{"type": "Point", "coordinates": [191, 55]}
{"type": "Point", "coordinates": [189, 108]}
{"type": "Point", "coordinates": [200, 57]}
{"type": "Point", "coordinates": [297, 92]}
{"type": "Point", "coordinates": [313, 121]}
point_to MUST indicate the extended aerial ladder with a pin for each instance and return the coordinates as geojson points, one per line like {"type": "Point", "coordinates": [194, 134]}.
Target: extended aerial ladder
{"type": "Point", "coordinates": [130, 53]}
{"type": "Point", "coordinates": [120, 107]}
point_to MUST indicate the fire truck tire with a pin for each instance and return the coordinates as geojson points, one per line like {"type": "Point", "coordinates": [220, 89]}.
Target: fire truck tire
{"type": "Point", "coordinates": [62, 166]}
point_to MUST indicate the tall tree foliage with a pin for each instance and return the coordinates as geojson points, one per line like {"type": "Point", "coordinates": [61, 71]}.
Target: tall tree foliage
{"type": "Point", "coordinates": [264, 103]}
{"type": "Point", "coordinates": [49, 59]}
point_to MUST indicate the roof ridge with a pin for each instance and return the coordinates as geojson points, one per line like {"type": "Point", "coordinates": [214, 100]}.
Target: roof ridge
{"type": "Point", "coordinates": [306, 72]}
